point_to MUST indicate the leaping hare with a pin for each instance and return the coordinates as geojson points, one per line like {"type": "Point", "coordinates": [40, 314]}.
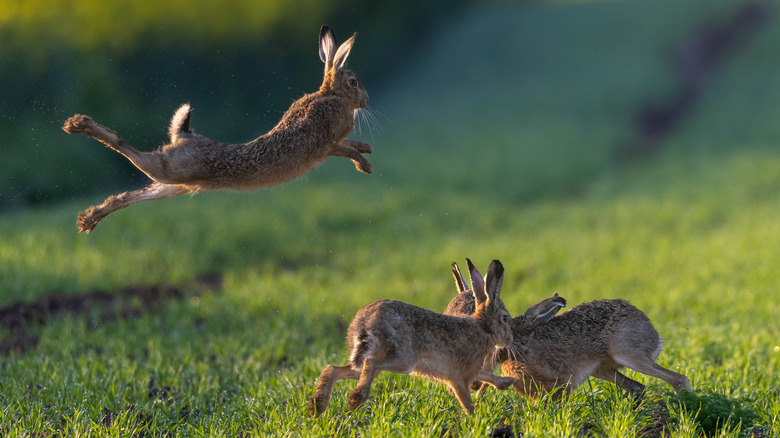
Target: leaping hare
{"type": "Point", "coordinates": [393, 336]}
{"type": "Point", "coordinates": [315, 127]}
{"type": "Point", "coordinates": [593, 339]}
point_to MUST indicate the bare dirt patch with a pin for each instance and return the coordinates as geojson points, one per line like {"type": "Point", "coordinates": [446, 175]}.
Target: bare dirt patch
{"type": "Point", "coordinates": [20, 318]}
{"type": "Point", "coordinates": [698, 58]}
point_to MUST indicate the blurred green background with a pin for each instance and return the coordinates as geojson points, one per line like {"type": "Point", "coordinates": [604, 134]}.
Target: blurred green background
{"type": "Point", "coordinates": [551, 93]}
{"type": "Point", "coordinates": [131, 63]}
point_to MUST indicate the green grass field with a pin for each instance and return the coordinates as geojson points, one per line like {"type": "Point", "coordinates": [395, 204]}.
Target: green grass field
{"type": "Point", "coordinates": [510, 159]}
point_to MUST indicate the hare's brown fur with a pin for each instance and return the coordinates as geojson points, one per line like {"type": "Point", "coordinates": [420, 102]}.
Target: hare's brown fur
{"type": "Point", "coordinates": [393, 336]}
{"type": "Point", "coordinates": [593, 339]}
{"type": "Point", "coordinates": [315, 127]}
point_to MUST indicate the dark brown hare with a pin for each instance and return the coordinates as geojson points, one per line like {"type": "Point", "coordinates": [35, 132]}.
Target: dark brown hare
{"type": "Point", "coordinates": [315, 127]}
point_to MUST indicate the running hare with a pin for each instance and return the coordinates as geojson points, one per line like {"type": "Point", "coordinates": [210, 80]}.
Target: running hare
{"type": "Point", "coordinates": [315, 127]}
{"type": "Point", "coordinates": [593, 339]}
{"type": "Point", "coordinates": [393, 336]}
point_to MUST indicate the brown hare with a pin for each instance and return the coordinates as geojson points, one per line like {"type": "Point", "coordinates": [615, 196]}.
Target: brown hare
{"type": "Point", "coordinates": [315, 127]}
{"type": "Point", "coordinates": [393, 336]}
{"type": "Point", "coordinates": [593, 339]}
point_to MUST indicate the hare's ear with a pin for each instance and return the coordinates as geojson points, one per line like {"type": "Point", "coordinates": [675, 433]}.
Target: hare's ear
{"type": "Point", "coordinates": [494, 279]}
{"type": "Point", "coordinates": [327, 46]}
{"type": "Point", "coordinates": [341, 54]}
{"type": "Point", "coordinates": [544, 310]}
{"type": "Point", "coordinates": [477, 284]}
{"type": "Point", "coordinates": [460, 282]}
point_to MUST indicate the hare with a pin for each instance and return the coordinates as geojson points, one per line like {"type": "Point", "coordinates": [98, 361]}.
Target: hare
{"type": "Point", "coordinates": [315, 127]}
{"type": "Point", "coordinates": [593, 339]}
{"type": "Point", "coordinates": [393, 336]}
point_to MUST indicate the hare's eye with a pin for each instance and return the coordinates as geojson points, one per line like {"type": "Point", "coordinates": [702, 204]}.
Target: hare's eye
{"type": "Point", "coordinates": [505, 319]}
{"type": "Point", "coordinates": [353, 82]}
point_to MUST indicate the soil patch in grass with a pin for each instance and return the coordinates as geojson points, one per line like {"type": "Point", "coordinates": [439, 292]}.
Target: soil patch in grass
{"type": "Point", "coordinates": [101, 306]}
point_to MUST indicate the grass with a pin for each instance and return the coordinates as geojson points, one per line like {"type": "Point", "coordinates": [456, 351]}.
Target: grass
{"type": "Point", "coordinates": [688, 235]}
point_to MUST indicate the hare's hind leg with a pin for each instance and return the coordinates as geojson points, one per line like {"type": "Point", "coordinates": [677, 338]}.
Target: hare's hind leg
{"type": "Point", "coordinates": [610, 374]}
{"type": "Point", "coordinates": [89, 219]}
{"type": "Point", "coordinates": [371, 368]}
{"type": "Point", "coordinates": [330, 375]}
{"type": "Point", "coordinates": [645, 365]}
{"type": "Point", "coordinates": [148, 162]}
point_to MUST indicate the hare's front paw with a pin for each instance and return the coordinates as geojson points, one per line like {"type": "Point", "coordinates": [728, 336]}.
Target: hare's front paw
{"type": "Point", "coordinates": [363, 148]}
{"type": "Point", "coordinates": [505, 382]}
{"type": "Point", "coordinates": [364, 166]}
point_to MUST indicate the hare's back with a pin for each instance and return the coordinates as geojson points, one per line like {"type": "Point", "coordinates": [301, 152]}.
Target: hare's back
{"type": "Point", "coordinates": [462, 305]}
{"type": "Point", "coordinates": [400, 325]}
{"type": "Point", "coordinates": [618, 325]}
{"type": "Point", "coordinates": [590, 327]}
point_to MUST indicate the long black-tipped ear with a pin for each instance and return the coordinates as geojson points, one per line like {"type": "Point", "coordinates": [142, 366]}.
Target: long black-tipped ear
{"type": "Point", "coordinates": [477, 283]}
{"type": "Point", "coordinates": [494, 279]}
{"type": "Point", "coordinates": [341, 54]}
{"type": "Point", "coordinates": [460, 282]}
{"type": "Point", "coordinates": [546, 309]}
{"type": "Point", "coordinates": [327, 46]}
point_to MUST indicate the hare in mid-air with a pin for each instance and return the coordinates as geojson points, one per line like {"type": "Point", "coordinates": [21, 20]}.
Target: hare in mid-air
{"type": "Point", "coordinates": [315, 127]}
{"type": "Point", "coordinates": [393, 336]}
{"type": "Point", "coordinates": [593, 339]}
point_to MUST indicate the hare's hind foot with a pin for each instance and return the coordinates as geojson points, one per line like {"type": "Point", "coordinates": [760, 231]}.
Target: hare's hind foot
{"type": "Point", "coordinates": [77, 124]}
{"type": "Point", "coordinates": [317, 406]}
{"type": "Point", "coordinates": [88, 220]}
{"type": "Point", "coordinates": [81, 124]}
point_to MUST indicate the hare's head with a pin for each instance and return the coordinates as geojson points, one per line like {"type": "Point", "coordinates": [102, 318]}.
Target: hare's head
{"type": "Point", "coordinates": [539, 313]}
{"type": "Point", "coordinates": [463, 303]}
{"type": "Point", "coordinates": [490, 311]}
{"type": "Point", "coordinates": [337, 81]}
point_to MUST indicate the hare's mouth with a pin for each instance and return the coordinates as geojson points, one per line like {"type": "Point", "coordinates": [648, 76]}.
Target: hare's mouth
{"type": "Point", "coordinates": [503, 342]}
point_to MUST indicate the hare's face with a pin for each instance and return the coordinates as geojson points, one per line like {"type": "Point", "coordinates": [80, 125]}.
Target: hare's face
{"type": "Point", "coordinates": [501, 330]}
{"type": "Point", "coordinates": [522, 326]}
{"type": "Point", "coordinates": [347, 85]}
